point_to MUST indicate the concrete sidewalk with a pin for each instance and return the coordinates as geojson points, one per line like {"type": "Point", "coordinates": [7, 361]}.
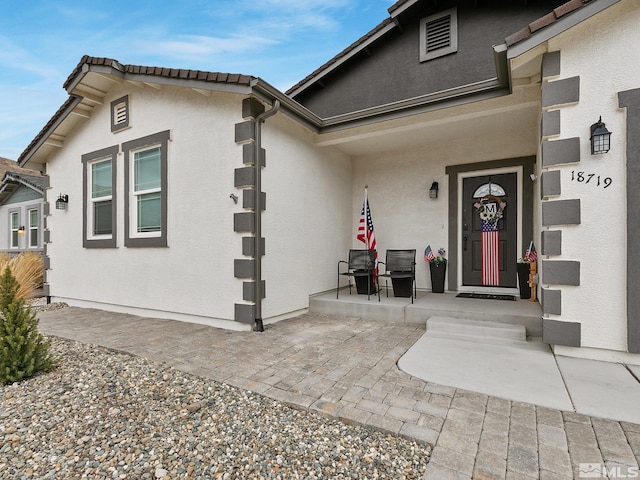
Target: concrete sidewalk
{"type": "Point", "coordinates": [347, 368]}
{"type": "Point", "coordinates": [496, 361]}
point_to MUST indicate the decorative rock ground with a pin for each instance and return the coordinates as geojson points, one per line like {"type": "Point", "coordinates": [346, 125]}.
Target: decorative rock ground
{"type": "Point", "coordinates": [105, 414]}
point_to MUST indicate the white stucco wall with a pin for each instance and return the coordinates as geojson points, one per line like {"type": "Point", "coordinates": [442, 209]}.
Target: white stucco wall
{"type": "Point", "coordinates": [307, 221]}
{"type": "Point", "coordinates": [193, 278]}
{"type": "Point", "coordinates": [603, 52]}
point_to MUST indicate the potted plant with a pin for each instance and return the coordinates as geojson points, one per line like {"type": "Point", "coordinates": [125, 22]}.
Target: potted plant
{"type": "Point", "coordinates": [523, 278]}
{"type": "Point", "coordinates": [437, 268]}
{"type": "Point", "coordinates": [524, 271]}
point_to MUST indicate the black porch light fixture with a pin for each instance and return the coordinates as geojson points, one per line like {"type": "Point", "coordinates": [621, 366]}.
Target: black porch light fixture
{"type": "Point", "coordinates": [600, 138]}
{"type": "Point", "coordinates": [21, 229]}
{"type": "Point", "coordinates": [433, 191]}
{"type": "Point", "coordinates": [62, 202]}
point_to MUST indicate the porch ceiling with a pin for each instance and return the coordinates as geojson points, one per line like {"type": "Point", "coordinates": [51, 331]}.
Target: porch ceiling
{"type": "Point", "coordinates": [497, 117]}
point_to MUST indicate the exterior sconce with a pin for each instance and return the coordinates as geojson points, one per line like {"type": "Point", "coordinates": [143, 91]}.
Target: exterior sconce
{"type": "Point", "coordinates": [433, 191]}
{"type": "Point", "coordinates": [61, 203]}
{"type": "Point", "coordinates": [600, 138]}
{"type": "Point", "coordinates": [21, 230]}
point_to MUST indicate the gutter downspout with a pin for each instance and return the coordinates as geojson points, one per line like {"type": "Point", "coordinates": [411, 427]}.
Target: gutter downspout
{"type": "Point", "coordinates": [259, 327]}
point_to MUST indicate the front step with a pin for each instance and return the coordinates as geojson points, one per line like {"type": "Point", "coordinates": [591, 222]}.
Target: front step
{"type": "Point", "coordinates": [476, 331]}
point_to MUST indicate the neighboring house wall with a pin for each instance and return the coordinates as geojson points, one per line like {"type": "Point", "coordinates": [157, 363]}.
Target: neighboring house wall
{"type": "Point", "coordinates": [192, 277]}
{"type": "Point", "coordinates": [584, 277]}
{"type": "Point", "coordinates": [27, 204]}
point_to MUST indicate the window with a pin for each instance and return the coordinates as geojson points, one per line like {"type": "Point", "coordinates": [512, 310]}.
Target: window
{"type": "Point", "coordinates": [439, 35]}
{"type": "Point", "coordinates": [15, 225]}
{"type": "Point", "coordinates": [34, 223]}
{"type": "Point", "coordinates": [146, 191]}
{"type": "Point", "coordinates": [120, 114]}
{"type": "Point", "coordinates": [99, 203]}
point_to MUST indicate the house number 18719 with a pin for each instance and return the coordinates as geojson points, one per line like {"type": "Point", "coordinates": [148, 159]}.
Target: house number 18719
{"type": "Point", "coordinates": [584, 177]}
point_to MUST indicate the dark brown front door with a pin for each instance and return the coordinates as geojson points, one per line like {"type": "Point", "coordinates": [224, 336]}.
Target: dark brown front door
{"type": "Point", "coordinates": [472, 250]}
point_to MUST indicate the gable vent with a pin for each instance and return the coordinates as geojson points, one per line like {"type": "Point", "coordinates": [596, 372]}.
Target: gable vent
{"type": "Point", "coordinates": [439, 35]}
{"type": "Point", "coordinates": [120, 114]}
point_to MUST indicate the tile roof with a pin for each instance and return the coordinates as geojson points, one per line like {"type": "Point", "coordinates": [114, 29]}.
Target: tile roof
{"type": "Point", "coordinates": [542, 22]}
{"type": "Point", "coordinates": [178, 73]}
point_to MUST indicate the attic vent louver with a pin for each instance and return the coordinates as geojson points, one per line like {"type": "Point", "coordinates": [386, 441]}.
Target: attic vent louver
{"type": "Point", "coordinates": [120, 114]}
{"type": "Point", "coordinates": [438, 35]}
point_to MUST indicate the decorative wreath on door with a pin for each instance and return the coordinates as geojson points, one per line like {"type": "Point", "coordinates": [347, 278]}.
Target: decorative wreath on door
{"type": "Point", "coordinates": [487, 212]}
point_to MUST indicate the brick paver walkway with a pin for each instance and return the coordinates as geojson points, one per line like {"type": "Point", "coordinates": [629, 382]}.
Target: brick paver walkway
{"type": "Point", "coordinates": [346, 368]}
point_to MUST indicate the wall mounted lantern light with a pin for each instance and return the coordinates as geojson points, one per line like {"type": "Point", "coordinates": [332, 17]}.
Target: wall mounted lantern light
{"type": "Point", "coordinates": [61, 203]}
{"type": "Point", "coordinates": [433, 191]}
{"type": "Point", "coordinates": [600, 138]}
{"type": "Point", "coordinates": [21, 229]}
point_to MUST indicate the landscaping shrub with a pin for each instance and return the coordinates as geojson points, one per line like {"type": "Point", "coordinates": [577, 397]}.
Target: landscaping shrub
{"type": "Point", "coordinates": [27, 268]}
{"type": "Point", "coordinates": [23, 350]}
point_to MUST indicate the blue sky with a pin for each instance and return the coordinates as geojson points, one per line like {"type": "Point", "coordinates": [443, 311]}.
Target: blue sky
{"type": "Point", "coordinates": [281, 41]}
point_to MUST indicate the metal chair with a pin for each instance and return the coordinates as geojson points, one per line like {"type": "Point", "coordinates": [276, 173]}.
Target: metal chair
{"type": "Point", "coordinates": [361, 266]}
{"type": "Point", "coordinates": [400, 267]}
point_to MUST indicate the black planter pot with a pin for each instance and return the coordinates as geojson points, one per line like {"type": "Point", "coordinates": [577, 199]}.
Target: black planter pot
{"type": "Point", "coordinates": [523, 280]}
{"type": "Point", "coordinates": [438, 271]}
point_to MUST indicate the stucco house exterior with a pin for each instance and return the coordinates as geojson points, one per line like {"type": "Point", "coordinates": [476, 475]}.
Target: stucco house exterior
{"type": "Point", "coordinates": [159, 169]}
{"type": "Point", "coordinates": [21, 206]}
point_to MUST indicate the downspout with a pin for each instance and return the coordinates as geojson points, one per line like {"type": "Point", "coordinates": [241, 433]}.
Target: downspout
{"type": "Point", "coordinates": [259, 327]}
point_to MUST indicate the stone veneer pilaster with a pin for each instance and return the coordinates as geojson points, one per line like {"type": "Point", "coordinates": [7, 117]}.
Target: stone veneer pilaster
{"type": "Point", "coordinates": [557, 211]}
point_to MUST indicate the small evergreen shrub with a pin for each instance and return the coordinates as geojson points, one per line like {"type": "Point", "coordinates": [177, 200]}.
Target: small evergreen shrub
{"type": "Point", "coordinates": [23, 350]}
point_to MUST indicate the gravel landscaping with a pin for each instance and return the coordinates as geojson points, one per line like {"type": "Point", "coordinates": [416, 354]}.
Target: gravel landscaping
{"type": "Point", "coordinates": [106, 414]}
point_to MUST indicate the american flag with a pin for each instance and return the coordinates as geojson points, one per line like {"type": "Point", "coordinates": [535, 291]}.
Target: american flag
{"type": "Point", "coordinates": [490, 240]}
{"type": "Point", "coordinates": [531, 255]}
{"type": "Point", "coordinates": [428, 254]}
{"type": "Point", "coordinates": [365, 233]}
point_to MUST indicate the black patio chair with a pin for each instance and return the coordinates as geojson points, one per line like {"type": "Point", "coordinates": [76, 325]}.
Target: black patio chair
{"type": "Point", "coordinates": [400, 267]}
{"type": "Point", "coordinates": [361, 266]}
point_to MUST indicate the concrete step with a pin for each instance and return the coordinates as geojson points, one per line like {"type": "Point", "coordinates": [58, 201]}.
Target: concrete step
{"type": "Point", "coordinates": [476, 330]}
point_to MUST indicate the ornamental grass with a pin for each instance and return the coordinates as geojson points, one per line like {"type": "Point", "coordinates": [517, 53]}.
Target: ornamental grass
{"type": "Point", "coordinates": [28, 269]}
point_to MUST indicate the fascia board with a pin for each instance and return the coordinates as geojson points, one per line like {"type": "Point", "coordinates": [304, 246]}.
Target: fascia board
{"type": "Point", "coordinates": [559, 26]}
{"type": "Point", "coordinates": [42, 137]}
{"type": "Point", "coordinates": [343, 59]}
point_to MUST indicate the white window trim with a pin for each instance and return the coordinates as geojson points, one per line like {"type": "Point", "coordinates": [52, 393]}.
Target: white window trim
{"type": "Point", "coordinates": [88, 239]}
{"type": "Point", "coordinates": [453, 35]}
{"type": "Point", "coordinates": [33, 228]}
{"type": "Point", "coordinates": [13, 230]}
{"type": "Point", "coordinates": [133, 201]}
{"type": "Point", "coordinates": [92, 201]}
{"type": "Point", "coordinates": [144, 240]}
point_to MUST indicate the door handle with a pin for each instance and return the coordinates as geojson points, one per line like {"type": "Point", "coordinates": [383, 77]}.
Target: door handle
{"type": "Point", "coordinates": [464, 246]}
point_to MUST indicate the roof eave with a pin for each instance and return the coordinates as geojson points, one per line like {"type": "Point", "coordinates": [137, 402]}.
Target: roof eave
{"type": "Point", "coordinates": [340, 59]}
{"type": "Point", "coordinates": [559, 26]}
{"type": "Point", "coordinates": [48, 129]}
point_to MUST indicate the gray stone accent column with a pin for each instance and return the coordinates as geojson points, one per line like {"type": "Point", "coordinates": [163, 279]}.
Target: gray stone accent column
{"type": "Point", "coordinates": [630, 100]}
{"type": "Point", "coordinates": [563, 151]}
{"type": "Point", "coordinates": [244, 178]}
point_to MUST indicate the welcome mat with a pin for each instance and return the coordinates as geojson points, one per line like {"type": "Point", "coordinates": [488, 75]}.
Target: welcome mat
{"type": "Point", "coordinates": [486, 296]}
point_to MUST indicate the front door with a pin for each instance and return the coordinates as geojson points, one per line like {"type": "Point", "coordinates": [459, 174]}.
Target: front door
{"type": "Point", "coordinates": [489, 230]}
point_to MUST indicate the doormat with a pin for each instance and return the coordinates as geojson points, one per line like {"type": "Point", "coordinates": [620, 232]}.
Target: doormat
{"type": "Point", "coordinates": [486, 296]}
